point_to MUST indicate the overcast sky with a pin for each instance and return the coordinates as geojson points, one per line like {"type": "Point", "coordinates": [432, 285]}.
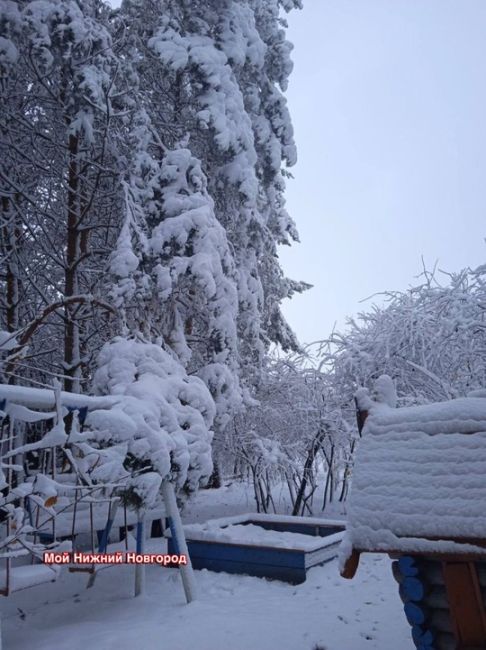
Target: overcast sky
{"type": "Point", "coordinates": [388, 101]}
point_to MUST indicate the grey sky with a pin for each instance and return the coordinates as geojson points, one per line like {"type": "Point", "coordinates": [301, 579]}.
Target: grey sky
{"type": "Point", "coordinates": [388, 100]}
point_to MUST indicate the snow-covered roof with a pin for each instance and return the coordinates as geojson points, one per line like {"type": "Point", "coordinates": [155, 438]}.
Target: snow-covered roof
{"type": "Point", "coordinates": [419, 482]}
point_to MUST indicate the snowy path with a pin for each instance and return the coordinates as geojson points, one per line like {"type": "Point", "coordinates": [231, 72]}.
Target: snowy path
{"type": "Point", "coordinates": [232, 613]}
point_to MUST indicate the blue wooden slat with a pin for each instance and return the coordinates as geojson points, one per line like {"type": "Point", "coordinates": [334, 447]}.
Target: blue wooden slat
{"type": "Point", "coordinates": [301, 528]}
{"type": "Point", "coordinates": [240, 553]}
{"type": "Point", "coordinates": [287, 574]}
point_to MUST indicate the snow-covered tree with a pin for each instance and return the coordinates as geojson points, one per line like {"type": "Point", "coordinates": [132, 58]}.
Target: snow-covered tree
{"type": "Point", "coordinates": [144, 154]}
{"type": "Point", "coordinates": [58, 185]}
{"type": "Point", "coordinates": [163, 423]}
{"type": "Point", "coordinates": [298, 433]}
{"type": "Point", "coordinates": [430, 339]}
{"type": "Point", "coordinates": [212, 82]}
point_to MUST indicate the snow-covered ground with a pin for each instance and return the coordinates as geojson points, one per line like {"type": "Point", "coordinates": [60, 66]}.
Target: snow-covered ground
{"type": "Point", "coordinates": [232, 612]}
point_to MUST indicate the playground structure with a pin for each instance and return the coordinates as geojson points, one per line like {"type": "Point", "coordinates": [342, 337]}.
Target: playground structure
{"type": "Point", "coordinates": [49, 501]}
{"type": "Point", "coordinates": [418, 495]}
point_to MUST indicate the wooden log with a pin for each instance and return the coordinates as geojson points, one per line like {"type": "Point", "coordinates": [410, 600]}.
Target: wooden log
{"type": "Point", "coordinates": [432, 573]}
{"type": "Point", "coordinates": [426, 646]}
{"type": "Point", "coordinates": [445, 641]}
{"type": "Point", "coordinates": [420, 615]}
{"type": "Point", "coordinates": [408, 566]}
{"type": "Point", "coordinates": [422, 635]}
{"type": "Point", "coordinates": [416, 615]}
{"type": "Point", "coordinates": [412, 589]}
{"type": "Point", "coordinates": [440, 620]}
{"type": "Point", "coordinates": [437, 598]}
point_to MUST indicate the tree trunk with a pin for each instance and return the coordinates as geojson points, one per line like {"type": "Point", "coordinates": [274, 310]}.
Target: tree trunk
{"type": "Point", "coordinates": [311, 454]}
{"type": "Point", "coordinates": [10, 237]}
{"type": "Point", "coordinates": [71, 332]}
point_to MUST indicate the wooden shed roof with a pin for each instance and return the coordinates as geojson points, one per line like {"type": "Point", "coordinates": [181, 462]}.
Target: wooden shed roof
{"type": "Point", "coordinates": [419, 481]}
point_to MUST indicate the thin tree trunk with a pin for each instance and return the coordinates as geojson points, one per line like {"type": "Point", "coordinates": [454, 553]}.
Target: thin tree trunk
{"type": "Point", "coordinates": [71, 333]}
{"type": "Point", "coordinates": [10, 236]}
{"type": "Point", "coordinates": [316, 443]}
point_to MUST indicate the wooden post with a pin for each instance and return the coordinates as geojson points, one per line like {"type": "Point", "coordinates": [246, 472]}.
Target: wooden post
{"type": "Point", "coordinates": [179, 539]}
{"type": "Point", "coordinates": [351, 565]}
{"type": "Point", "coordinates": [112, 510]}
{"type": "Point", "coordinates": [361, 415]}
{"type": "Point", "coordinates": [140, 568]}
{"type": "Point", "coordinates": [466, 604]}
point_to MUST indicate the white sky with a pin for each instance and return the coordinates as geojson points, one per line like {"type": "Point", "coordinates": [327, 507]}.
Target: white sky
{"type": "Point", "coordinates": [388, 101]}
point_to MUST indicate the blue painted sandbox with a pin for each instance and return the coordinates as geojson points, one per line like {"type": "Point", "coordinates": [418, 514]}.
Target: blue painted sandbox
{"type": "Point", "coordinates": [267, 546]}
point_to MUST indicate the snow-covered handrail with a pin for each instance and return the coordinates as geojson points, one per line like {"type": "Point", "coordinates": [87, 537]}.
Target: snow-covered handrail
{"type": "Point", "coordinates": [43, 398]}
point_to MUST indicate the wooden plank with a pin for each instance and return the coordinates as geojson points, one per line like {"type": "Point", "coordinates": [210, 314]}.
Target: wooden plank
{"type": "Point", "coordinates": [466, 606]}
{"type": "Point", "coordinates": [235, 544]}
{"type": "Point", "coordinates": [320, 556]}
{"type": "Point", "coordinates": [302, 529]}
{"type": "Point", "coordinates": [351, 565]}
{"type": "Point", "coordinates": [287, 574]}
{"type": "Point", "coordinates": [437, 556]}
{"type": "Point", "coordinates": [236, 553]}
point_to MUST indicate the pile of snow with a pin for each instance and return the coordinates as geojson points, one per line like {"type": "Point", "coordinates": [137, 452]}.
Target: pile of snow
{"type": "Point", "coordinates": [419, 476]}
{"type": "Point", "coordinates": [255, 535]}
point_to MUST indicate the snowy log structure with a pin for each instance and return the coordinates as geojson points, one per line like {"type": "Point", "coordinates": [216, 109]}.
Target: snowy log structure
{"type": "Point", "coordinates": [262, 545]}
{"type": "Point", "coordinates": [419, 489]}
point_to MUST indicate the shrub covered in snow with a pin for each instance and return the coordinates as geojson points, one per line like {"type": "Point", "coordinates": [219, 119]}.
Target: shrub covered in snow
{"type": "Point", "coordinates": [163, 419]}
